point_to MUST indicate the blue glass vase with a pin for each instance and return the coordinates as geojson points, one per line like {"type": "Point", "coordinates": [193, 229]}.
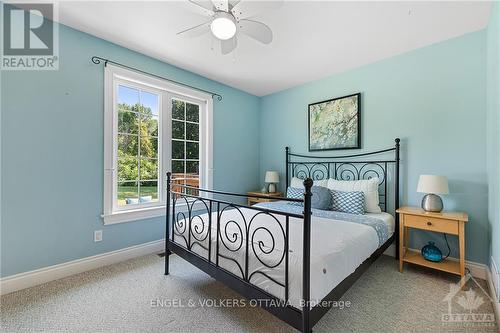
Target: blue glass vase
{"type": "Point", "coordinates": [432, 253]}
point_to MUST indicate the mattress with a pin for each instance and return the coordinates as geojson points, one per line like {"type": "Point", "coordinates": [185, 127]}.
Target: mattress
{"type": "Point", "coordinates": [338, 247]}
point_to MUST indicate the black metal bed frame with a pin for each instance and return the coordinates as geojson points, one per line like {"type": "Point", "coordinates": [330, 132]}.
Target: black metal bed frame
{"type": "Point", "coordinates": [199, 232]}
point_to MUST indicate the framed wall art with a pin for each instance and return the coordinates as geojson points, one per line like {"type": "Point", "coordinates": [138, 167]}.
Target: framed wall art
{"type": "Point", "coordinates": [335, 123]}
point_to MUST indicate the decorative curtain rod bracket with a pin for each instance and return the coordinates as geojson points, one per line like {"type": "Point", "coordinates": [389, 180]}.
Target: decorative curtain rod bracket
{"type": "Point", "coordinates": [97, 60]}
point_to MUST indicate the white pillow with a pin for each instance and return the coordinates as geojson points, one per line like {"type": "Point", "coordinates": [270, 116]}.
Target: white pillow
{"type": "Point", "coordinates": [299, 183]}
{"type": "Point", "coordinates": [369, 187]}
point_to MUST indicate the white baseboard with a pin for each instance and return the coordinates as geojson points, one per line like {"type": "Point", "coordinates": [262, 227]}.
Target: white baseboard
{"type": "Point", "coordinates": [491, 288]}
{"type": "Point", "coordinates": [476, 269]}
{"type": "Point", "coordinates": [494, 276]}
{"type": "Point", "coordinates": [24, 280]}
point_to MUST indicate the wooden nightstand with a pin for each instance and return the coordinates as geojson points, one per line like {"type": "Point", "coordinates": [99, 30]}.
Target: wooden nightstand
{"type": "Point", "coordinates": [269, 197]}
{"type": "Point", "coordinates": [448, 222]}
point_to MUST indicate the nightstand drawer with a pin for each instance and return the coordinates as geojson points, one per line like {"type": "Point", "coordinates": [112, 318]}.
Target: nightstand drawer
{"type": "Point", "coordinates": [253, 201]}
{"type": "Point", "coordinates": [262, 200]}
{"type": "Point", "coordinates": [431, 224]}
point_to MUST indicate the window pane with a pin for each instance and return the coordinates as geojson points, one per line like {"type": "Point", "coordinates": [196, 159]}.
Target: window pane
{"type": "Point", "coordinates": [128, 168]}
{"type": "Point", "coordinates": [127, 122]}
{"type": "Point", "coordinates": [148, 192]}
{"type": "Point", "coordinates": [127, 157]}
{"type": "Point", "coordinates": [149, 169]}
{"type": "Point", "coordinates": [128, 193]}
{"type": "Point", "coordinates": [192, 112]}
{"type": "Point", "coordinates": [127, 145]}
{"type": "Point", "coordinates": [149, 147]}
{"type": "Point", "coordinates": [128, 98]}
{"type": "Point", "coordinates": [192, 167]}
{"type": "Point", "coordinates": [149, 125]}
{"type": "Point", "coordinates": [178, 109]}
{"type": "Point", "coordinates": [177, 150]}
{"type": "Point", "coordinates": [149, 103]}
{"type": "Point", "coordinates": [192, 150]}
{"type": "Point", "coordinates": [177, 167]}
{"type": "Point", "coordinates": [192, 132]}
{"type": "Point", "coordinates": [177, 129]}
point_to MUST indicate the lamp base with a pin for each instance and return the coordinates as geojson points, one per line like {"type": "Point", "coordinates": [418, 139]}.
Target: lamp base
{"type": "Point", "coordinates": [432, 203]}
{"type": "Point", "coordinates": [272, 188]}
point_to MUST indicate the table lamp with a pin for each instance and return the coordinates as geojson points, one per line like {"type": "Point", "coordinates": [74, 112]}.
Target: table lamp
{"type": "Point", "coordinates": [272, 177]}
{"type": "Point", "coordinates": [432, 185]}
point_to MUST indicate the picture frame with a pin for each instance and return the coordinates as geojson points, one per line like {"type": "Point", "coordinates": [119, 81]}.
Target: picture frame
{"type": "Point", "coordinates": [335, 124]}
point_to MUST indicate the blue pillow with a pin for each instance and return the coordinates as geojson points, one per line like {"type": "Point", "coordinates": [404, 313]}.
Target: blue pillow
{"type": "Point", "coordinates": [348, 202]}
{"type": "Point", "coordinates": [321, 197]}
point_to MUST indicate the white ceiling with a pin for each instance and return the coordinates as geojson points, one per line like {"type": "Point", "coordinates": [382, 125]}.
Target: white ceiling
{"type": "Point", "coordinates": [312, 39]}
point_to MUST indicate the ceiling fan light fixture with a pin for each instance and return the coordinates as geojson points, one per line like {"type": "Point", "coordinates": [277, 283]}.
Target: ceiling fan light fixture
{"type": "Point", "coordinates": [223, 26]}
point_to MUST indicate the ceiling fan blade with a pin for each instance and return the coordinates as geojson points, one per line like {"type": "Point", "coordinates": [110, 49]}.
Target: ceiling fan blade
{"type": "Point", "coordinates": [257, 30]}
{"type": "Point", "coordinates": [245, 9]}
{"type": "Point", "coordinates": [233, 3]}
{"type": "Point", "coordinates": [205, 5]}
{"type": "Point", "coordinates": [196, 30]}
{"type": "Point", "coordinates": [228, 45]}
{"type": "Point", "coordinates": [221, 5]}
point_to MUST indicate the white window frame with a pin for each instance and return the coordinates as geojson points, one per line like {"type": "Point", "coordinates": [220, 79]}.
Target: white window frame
{"type": "Point", "coordinates": [114, 75]}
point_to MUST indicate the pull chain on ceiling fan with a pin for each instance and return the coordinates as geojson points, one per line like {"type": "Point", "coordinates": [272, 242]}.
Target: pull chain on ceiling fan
{"type": "Point", "coordinates": [228, 18]}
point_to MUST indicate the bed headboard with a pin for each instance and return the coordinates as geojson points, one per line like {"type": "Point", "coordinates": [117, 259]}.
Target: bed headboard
{"type": "Point", "coordinates": [383, 164]}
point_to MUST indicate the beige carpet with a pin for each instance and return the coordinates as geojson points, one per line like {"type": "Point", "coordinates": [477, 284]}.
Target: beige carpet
{"type": "Point", "coordinates": [124, 298]}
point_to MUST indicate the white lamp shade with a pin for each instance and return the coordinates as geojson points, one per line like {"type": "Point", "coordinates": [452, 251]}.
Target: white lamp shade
{"type": "Point", "coordinates": [433, 184]}
{"type": "Point", "coordinates": [272, 177]}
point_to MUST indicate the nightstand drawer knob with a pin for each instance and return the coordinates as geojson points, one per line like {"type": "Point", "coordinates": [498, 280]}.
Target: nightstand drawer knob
{"type": "Point", "coordinates": [429, 223]}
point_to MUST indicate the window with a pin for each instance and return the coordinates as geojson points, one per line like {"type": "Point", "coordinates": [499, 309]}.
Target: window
{"type": "Point", "coordinates": [151, 127]}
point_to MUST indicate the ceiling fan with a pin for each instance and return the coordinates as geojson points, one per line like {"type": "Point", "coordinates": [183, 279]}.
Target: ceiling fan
{"type": "Point", "coordinates": [228, 18]}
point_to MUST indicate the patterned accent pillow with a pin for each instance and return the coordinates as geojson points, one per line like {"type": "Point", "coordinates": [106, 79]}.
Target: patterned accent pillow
{"type": "Point", "coordinates": [295, 193]}
{"type": "Point", "coordinates": [368, 186]}
{"type": "Point", "coordinates": [348, 202]}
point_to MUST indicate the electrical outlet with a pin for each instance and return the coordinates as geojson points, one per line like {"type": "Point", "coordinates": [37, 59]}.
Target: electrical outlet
{"type": "Point", "coordinates": [97, 235]}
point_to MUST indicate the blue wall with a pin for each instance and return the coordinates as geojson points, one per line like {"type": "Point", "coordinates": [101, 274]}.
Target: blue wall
{"type": "Point", "coordinates": [52, 155]}
{"type": "Point", "coordinates": [493, 79]}
{"type": "Point", "coordinates": [433, 98]}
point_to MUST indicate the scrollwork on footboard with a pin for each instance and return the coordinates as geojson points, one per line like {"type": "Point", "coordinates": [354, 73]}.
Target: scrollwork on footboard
{"type": "Point", "coordinates": [253, 240]}
{"type": "Point", "coordinates": [231, 235]}
{"type": "Point", "coordinates": [247, 241]}
{"type": "Point", "coordinates": [197, 229]}
{"type": "Point", "coordinates": [270, 249]}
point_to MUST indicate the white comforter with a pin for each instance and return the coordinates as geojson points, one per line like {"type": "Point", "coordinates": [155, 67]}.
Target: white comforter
{"type": "Point", "coordinates": [337, 249]}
